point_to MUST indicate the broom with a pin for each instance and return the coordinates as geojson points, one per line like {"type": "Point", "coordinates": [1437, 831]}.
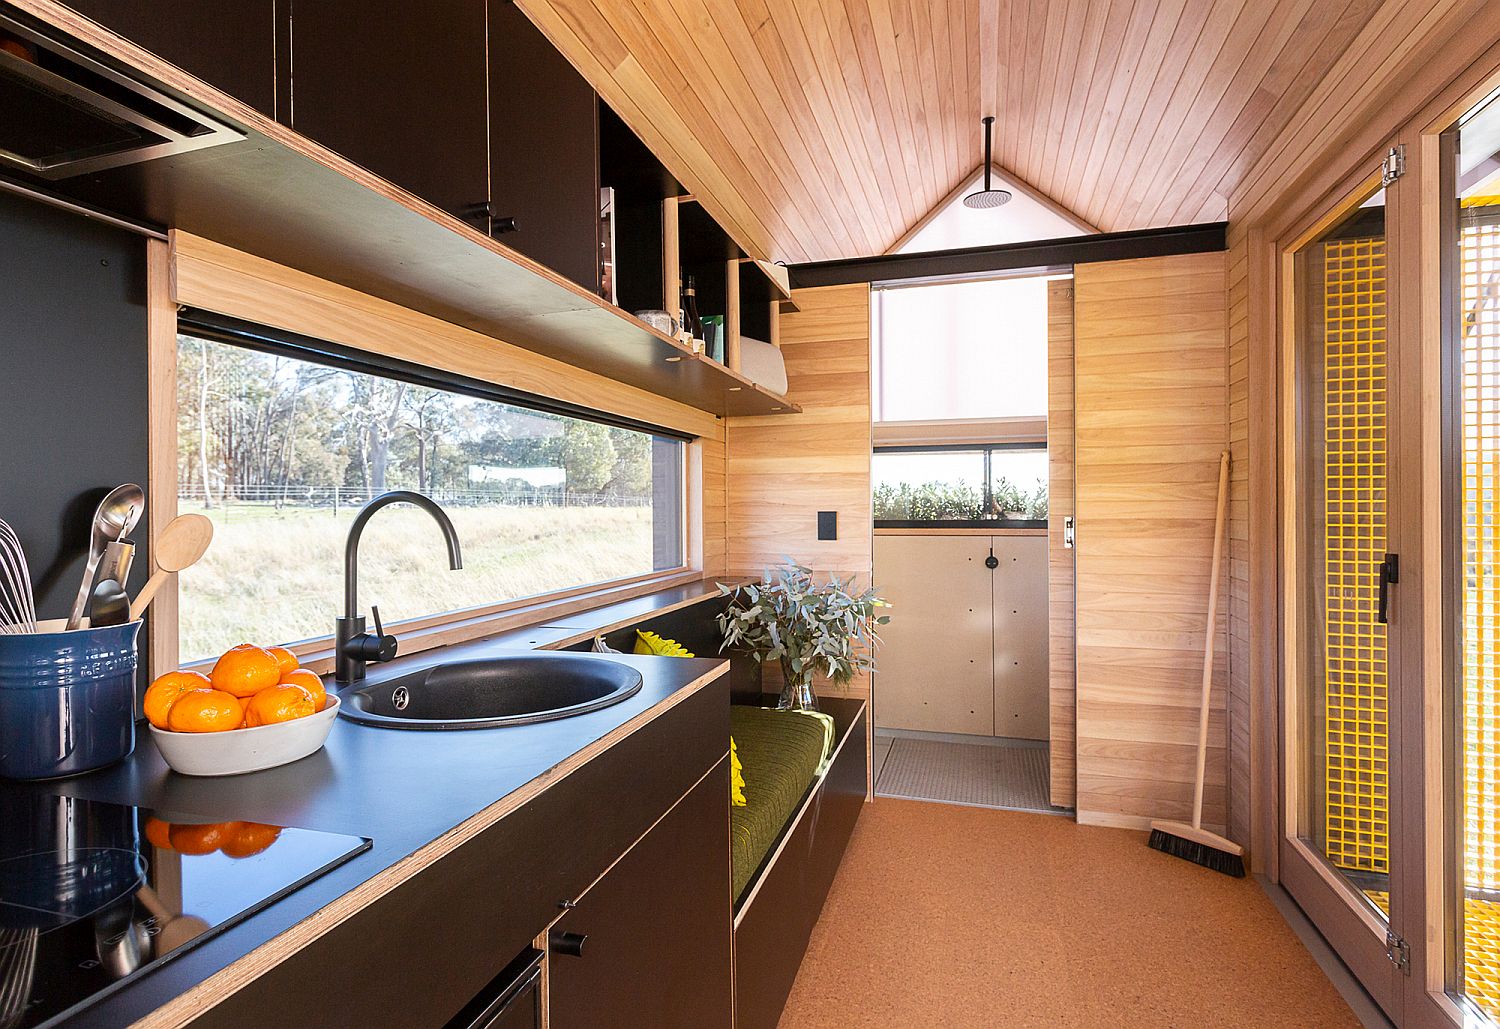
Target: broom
{"type": "Point", "coordinates": [1193, 842]}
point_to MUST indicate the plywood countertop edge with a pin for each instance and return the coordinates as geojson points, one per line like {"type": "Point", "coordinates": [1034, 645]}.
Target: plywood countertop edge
{"type": "Point", "coordinates": [187, 1006]}
{"type": "Point", "coordinates": [588, 633]}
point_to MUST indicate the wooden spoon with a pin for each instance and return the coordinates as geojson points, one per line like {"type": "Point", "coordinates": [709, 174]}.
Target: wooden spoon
{"type": "Point", "coordinates": [178, 546]}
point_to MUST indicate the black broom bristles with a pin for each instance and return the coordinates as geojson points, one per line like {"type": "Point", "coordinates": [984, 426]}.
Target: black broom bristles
{"type": "Point", "coordinates": [1198, 853]}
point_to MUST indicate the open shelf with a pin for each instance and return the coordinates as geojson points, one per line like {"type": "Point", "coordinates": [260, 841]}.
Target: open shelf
{"type": "Point", "coordinates": [280, 196]}
{"type": "Point", "coordinates": [640, 183]}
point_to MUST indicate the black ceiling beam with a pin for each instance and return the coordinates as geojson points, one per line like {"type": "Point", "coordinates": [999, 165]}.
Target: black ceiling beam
{"type": "Point", "coordinates": [1045, 253]}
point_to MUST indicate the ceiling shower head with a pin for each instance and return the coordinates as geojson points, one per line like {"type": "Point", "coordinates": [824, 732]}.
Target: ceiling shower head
{"type": "Point", "coordinates": [987, 198]}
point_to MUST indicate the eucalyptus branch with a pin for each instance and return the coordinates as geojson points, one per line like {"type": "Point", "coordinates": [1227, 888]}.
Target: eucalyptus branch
{"type": "Point", "coordinates": [827, 629]}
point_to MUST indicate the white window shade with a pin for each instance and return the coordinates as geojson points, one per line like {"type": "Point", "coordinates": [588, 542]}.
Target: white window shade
{"type": "Point", "coordinates": [969, 350]}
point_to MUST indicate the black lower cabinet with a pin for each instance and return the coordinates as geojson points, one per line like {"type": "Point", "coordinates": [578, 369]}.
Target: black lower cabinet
{"type": "Point", "coordinates": [512, 1001]}
{"type": "Point", "coordinates": [649, 944]}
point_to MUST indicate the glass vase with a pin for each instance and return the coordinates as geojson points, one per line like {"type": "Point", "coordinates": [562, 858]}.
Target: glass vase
{"type": "Point", "coordinates": [796, 691]}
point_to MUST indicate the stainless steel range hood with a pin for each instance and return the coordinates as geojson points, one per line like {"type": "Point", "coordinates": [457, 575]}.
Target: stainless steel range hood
{"type": "Point", "coordinates": [63, 113]}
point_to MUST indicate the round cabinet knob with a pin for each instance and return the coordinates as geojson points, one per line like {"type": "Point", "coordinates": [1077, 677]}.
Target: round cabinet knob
{"type": "Point", "coordinates": [570, 944]}
{"type": "Point", "coordinates": [992, 562]}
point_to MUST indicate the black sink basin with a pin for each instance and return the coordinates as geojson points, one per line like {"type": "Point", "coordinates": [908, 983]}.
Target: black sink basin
{"type": "Point", "coordinates": [488, 692]}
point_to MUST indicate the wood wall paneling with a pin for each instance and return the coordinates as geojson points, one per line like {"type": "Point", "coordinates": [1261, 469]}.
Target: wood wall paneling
{"type": "Point", "coordinates": [1150, 371]}
{"type": "Point", "coordinates": [1062, 713]}
{"type": "Point", "coordinates": [784, 469]}
{"type": "Point", "coordinates": [217, 278]}
{"type": "Point", "coordinates": [779, 116]}
{"type": "Point", "coordinates": [161, 437]}
{"type": "Point", "coordinates": [715, 508]}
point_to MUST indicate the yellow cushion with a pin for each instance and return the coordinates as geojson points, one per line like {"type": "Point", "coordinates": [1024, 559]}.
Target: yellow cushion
{"type": "Point", "coordinates": [651, 643]}
{"type": "Point", "coordinates": [736, 776]}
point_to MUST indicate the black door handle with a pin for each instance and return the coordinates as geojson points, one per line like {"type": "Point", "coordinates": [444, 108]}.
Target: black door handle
{"type": "Point", "coordinates": [992, 562]}
{"type": "Point", "coordinates": [1390, 575]}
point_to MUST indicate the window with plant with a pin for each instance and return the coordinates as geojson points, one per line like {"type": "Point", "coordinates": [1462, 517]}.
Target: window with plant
{"type": "Point", "coordinates": [977, 484]}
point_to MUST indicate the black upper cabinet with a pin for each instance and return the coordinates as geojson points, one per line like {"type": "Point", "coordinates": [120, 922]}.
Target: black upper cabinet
{"type": "Point", "coordinates": [230, 44]}
{"type": "Point", "coordinates": [396, 87]}
{"type": "Point", "coordinates": [544, 149]}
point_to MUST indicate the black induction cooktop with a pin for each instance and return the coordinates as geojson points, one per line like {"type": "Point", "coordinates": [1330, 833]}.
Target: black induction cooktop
{"type": "Point", "coordinates": [92, 893]}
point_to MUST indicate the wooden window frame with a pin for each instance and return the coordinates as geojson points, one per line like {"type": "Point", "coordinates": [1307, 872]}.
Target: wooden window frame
{"type": "Point", "coordinates": [188, 271]}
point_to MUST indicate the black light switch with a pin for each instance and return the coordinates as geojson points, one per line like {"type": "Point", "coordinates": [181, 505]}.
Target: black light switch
{"type": "Point", "coordinates": [828, 525]}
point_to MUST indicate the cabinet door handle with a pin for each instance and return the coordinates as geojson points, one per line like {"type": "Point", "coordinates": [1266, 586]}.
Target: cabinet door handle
{"type": "Point", "coordinates": [485, 211]}
{"type": "Point", "coordinates": [570, 944]}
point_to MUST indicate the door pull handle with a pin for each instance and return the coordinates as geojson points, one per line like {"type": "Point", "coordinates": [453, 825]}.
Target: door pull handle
{"type": "Point", "coordinates": [1390, 575]}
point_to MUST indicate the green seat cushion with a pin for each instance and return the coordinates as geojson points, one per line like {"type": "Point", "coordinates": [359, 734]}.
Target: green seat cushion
{"type": "Point", "coordinates": [781, 752]}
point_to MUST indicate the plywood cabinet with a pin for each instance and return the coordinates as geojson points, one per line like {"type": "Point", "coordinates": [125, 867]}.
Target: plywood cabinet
{"type": "Point", "coordinates": [966, 648]}
{"type": "Point", "coordinates": [1018, 594]}
{"type": "Point", "coordinates": [936, 668]}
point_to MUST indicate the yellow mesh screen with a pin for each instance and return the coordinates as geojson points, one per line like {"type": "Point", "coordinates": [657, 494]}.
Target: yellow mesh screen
{"type": "Point", "coordinates": [1481, 609]}
{"type": "Point", "coordinates": [1354, 434]}
{"type": "Point", "coordinates": [1481, 612]}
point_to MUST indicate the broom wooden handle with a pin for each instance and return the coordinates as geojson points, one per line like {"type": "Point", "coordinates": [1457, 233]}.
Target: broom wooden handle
{"type": "Point", "coordinates": [1208, 639]}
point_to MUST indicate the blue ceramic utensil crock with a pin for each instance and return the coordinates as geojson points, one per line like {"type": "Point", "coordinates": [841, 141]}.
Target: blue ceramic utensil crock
{"type": "Point", "coordinates": [67, 701]}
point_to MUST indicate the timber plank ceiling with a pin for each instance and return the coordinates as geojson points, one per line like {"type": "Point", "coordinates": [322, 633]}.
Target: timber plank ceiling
{"type": "Point", "coordinates": [818, 129]}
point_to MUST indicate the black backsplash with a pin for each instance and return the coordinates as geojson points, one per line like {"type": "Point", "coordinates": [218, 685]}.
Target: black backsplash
{"type": "Point", "coordinates": [73, 375]}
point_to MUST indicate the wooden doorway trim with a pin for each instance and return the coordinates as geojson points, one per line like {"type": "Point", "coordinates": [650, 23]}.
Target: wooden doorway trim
{"type": "Point", "coordinates": [1062, 708]}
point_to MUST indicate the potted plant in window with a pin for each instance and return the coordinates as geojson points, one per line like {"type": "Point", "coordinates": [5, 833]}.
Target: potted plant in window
{"type": "Point", "coordinates": [811, 629]}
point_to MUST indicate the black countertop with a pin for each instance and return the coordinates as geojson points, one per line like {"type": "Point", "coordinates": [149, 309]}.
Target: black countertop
{"type": "Point", "coordinates": [403, 789]}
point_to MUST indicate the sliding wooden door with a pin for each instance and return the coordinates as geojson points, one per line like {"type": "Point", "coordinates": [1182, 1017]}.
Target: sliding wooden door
{"type": "Point", "coordinates": [1150, 375]}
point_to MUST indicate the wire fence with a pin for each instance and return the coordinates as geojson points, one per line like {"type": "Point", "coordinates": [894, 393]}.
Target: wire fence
{"type": "Point", "coordinates": [339, 497]}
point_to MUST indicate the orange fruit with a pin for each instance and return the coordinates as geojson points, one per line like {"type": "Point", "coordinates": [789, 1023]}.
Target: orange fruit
{"type": "Point", "coordinates": [285, 658]}
{"type": "Point", "coordinates": [309, 681]}
{"type": "Point", "coordinates": [245, 670]}
{"type": "Point", "coordinates": [159, 833]}
{"type": "Point", "coordinates": [278, 704]}
{"type": "Point", "coordinates": [197, 839]}
{"type": "Point", "coordinates": [205, 711]}
{"type": "Point", "coordinates": [246, 839]}
{"type": "Point", "coordinates": [163, 693]}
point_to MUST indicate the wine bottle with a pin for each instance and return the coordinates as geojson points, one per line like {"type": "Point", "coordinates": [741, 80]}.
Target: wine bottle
{"type": "Point", "coordinates": [690, 320]}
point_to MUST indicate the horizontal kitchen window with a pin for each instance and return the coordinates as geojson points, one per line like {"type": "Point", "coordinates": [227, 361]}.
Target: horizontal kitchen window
{"type": "Point", "coordinates": [960, 485]}
{"type": "Point", "coordinates": [281, 444]}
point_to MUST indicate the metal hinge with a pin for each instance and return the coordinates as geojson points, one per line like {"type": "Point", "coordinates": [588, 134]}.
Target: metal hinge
{"type": "Point", "coordinates": [1394, 165]}
{"type": "Point", "coordinates": [1068, 532]}
{"type": "Point", "coordinates": [1398, 952]}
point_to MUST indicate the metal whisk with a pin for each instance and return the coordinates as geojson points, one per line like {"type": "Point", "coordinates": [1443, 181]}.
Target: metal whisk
{"type": "Point", "coordinates": [17, 604]}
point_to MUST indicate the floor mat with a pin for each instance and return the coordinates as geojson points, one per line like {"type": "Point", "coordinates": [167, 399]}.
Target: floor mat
{"type": "Point", "coordinates": [980, 775]}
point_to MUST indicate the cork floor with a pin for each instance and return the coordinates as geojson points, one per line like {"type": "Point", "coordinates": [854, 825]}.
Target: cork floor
{"type": "Point", "coordinates": [958, 916]}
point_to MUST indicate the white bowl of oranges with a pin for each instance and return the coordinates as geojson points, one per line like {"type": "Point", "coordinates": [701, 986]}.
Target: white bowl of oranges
{"type": "Point", "coordinates": [257, 709]}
